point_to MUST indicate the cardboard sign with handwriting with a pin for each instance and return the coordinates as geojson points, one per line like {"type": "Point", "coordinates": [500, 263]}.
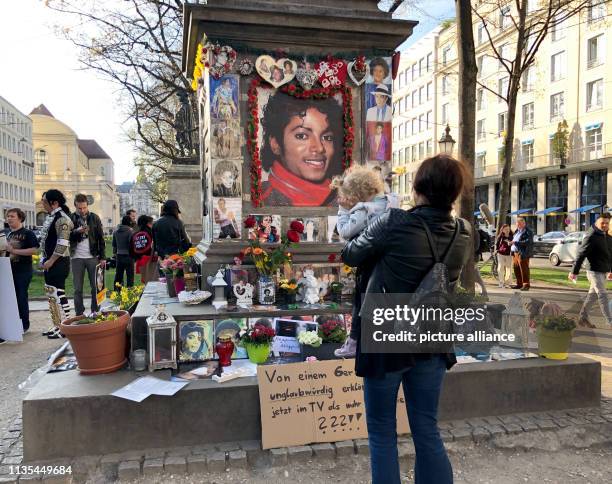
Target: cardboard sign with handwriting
{"type": "Point", "coordinates": [319, 401]}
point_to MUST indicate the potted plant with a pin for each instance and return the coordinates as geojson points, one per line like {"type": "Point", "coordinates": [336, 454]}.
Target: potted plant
{"type": "Point", "coordinates": [555, 333]}
{"type": "Point", "coordinates": [126, 298]}
{"type": "Point", "coordinates": [257, 342]}
{"type": "Point", "coordinates": [173, 268]}
{"type": "Point", "coordinates": [288, 288]}
{"type": "Point", "coordinates": [267, 261]}
{"type": "Point", "coordinates": [98, 341]}
{"type": "Point", "coordinates": [332, 335]}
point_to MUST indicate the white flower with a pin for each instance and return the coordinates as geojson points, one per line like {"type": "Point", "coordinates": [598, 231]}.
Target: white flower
{"type": "Point", "coordinates": [310, 338]}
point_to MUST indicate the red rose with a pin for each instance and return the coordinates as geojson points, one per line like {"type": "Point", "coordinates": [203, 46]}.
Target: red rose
{"type": "Point", "coordinates": [331, 258]}
{"type": "Point", "coordinates": [293, 236]}
{"type": "Point", "coordinates": [250, 222]}
{"type": "Point", "coordinates": [292, 87]}
{"type": "Point", "coordinates": [297, 226]}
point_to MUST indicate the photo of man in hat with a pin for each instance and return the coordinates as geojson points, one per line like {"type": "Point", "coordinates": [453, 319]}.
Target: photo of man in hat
{"type": "Point", "coordinates": [382, 110]}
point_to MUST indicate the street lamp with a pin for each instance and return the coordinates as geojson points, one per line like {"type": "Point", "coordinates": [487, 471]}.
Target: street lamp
{"type": "Point", "coordinates": [446, 143]}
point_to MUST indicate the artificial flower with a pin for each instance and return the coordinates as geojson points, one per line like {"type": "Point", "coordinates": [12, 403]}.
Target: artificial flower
{"type": "Point", "coordinates": [331, 258]}
{"type": "Point", "coordinates": [297, 226]}
{"type": "Point", "coordinates": [293, 236]}
{"type": "Point", "coordinates": [258, 251]}
{"type": "Point", "coordinates": [250, 222]}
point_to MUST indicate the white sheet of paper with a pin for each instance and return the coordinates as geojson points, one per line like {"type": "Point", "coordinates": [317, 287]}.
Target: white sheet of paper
{"type": "Point", "coordinates": [145, 386]}
{"type": "Point", "coordinates": [11, 328]}
{"type": "Point", "coordinates": [285, 344]}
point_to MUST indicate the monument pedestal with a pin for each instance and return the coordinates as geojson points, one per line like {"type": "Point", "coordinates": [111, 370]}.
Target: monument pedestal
{"type": "Point", "coordinates": [184, 186]}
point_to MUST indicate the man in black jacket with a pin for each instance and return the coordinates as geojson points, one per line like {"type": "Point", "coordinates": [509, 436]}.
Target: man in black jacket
{"type": "Point", "coordinates": [597, 249]}
{"type": "Point", "coordinates": [169, 235]}
{"type": "Point", "coordinates": [86, 251]}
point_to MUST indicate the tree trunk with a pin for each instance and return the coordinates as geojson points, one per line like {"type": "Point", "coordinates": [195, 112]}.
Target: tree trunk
{"type": "Point", "coordinates": [467, 121]}
{"type": "Point", "coordinates": [504, 198]}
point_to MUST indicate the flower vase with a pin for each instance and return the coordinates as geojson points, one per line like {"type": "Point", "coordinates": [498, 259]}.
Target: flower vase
{"type": "Point", "coordinates": [191, 281]}
{"type": "Point", "coordinates": [265, 290]}
{"type": "Point", "coordinates": [224, 349]}
{"type": "Point", "coordinates": [179, 284]}
{"type": "Point", "coordinates": [170, 285]}
{"type": "Point", "coordinates": [290, 298]}
{"type": "Point", "coordinates": [258, 354]}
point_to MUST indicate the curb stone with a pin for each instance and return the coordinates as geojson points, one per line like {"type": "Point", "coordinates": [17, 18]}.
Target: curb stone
{"type": "Point", "coordinates": [196, 464]}
{"type": "Point", "coordinates": [299, 453]}
{"type": "Point", "coordinates": [128, 470]}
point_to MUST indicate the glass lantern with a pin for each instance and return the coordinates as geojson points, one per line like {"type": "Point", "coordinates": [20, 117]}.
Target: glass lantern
{"type": "Point", "coordinates": [515, 320]}
{"type": "Point", "coordinates": [162, 340]}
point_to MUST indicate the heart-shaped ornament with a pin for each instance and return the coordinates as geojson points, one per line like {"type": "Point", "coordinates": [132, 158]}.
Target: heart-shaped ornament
{"type": "Point", "coordinates": [358, 77]}
{"type": "Point", "coordinates": [277, 72]}
{"type": "Point", "coordinates": [331, 72]}
{"type": "Point", "coordinates": [306, 78]}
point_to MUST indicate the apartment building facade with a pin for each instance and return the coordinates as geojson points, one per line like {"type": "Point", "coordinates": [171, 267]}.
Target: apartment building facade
{"type": "Point", "coordinates": [566, 83]}
{"type": "Point", "coordinates": [16, 165]}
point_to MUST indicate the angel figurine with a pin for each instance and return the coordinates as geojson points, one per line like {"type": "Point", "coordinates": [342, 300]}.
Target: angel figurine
{"type": "Point", "coordinates": [310, 286]}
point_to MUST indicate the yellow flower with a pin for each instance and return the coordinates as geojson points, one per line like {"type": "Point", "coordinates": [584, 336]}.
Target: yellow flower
{"type": "Point", "coordinates": [191, 252]}
{"type": "Point", "coordinates": [346, 269]}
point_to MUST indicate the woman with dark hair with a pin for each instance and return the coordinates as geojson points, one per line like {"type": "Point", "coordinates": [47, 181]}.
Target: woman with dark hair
{"type": "Point", "coordinates": [503, 244]}
{"type": "Point", "coordinates": [55, 241]}
{"type": "Point", "coordinates": [141, 250]}
{"type": "Point", "coordinates": [437, 184]}
{"type": "Point", "coordinates": [379, 70]}
{"type": "Point", "coordinates": [169, 235]}
{"type": "Point", "coordinates": [302, 150]}
{"type": "Point", "coordinates": [122, 242]}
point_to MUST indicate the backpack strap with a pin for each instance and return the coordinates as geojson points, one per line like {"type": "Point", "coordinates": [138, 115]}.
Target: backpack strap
{"type": "Point", "coordinates": [432, 245]}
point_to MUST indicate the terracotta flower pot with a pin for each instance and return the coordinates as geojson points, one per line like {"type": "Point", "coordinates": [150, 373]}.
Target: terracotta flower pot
{"type": "Point", "coordinates": [98, 347]}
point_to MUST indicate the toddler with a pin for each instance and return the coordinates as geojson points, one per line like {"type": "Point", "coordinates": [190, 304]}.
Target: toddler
{"type": "Point", "coordinates": [361, 199]}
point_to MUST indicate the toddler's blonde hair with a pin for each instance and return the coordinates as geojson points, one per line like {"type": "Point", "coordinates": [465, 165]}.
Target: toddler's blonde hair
{"type": "Point", "coordinates": [359, 183]}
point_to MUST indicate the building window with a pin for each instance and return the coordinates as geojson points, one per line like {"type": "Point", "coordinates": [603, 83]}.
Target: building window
{"type": "Point", "coordinates": [445, 113]}
{"type": "Point", "coordinates": [481, 34]}
{"type": "Point", "coordinates": [527, 152]}
{"type": "Point", "coordinates": [446, 54]}
{"type": "Point", "coordinates": [413, 122]}
{"type": "Point", "coordinates": [556, 196]}
{"type": "Point", "coordinates": [594, 95]}
{"type": "Point", "coordinates": [421, 124]}
{"type": "Point", "coordinates": [421, 67]}
{"type": "Point", "coordinates": [557, 28]}
{"type": "Point", "coordinates": [395, 133]}
{"type": "Point", "coordinates": [594, 54]}
{"type": "Point", "coordinates": [504, 17]}
{"type": "Point", "coordinates": [503, 56]}
{"type": "Point", "coordinates": [421, 95]}
{"type": "Point", "coordinates": [480, 66]}
{"type": "Point", "coordinates": [528, 113]}
{"type": "Point", "coordinates": [596, 10]}
{"type": "Point", "coordinates": [481, 161]}
{"type": "Point", "coordinates": [532, 5]}
{"type": "Point", "coordinates": [594, 142]}
{"type": "Point", "coordinates": [480, 99]}
{"type": "Point", "coordinates": [502, 88]}
{"type": "Point", "coordinates": [406, 129]}
{"type": "Point", "coordinates": [421, 151]}
{"type": "Point", "coordinates": [528, 79]}
{"type": "Point", "coordinates": [407, 154]}
{"type": "Point", "coordinates": [413, 70]}
{"type": "Point", "coordinates": [500, 156]}
{"type": "Point", "coordinates": [557, 66]}
{"type": "Point", "coordinates": [481, 134]}
{"type": "Point", "coordinates": [40, 160]}
{"type": "Point", "coordinates": [429, 62]}
{"type": "Point", "coordinates": [429, 147]}
{"type": "Point", "coordinates": [444, 85]}
{"type": "Point", "coordinates": [414, 99]}
{"type": "Point", "coordinates": [502, 123]}
{"type": "Point", "coordinates": [429, 91]}
{"type": "Point", "coordinates": [414, 153]}
{"type": "Point", "coordinates": [401, 157]}
{"type": "Point", "coordinates": [429, 121]}
{"type": "Point", "coordinates": [557, 106]}
{"type": "Point", "coordinates": [528, 193]}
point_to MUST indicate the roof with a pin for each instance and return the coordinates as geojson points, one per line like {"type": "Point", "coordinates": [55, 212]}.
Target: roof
{"type": "Point", "coordinates": [42, 110]}
{"type": "Point", "coordinates": [91, 149]}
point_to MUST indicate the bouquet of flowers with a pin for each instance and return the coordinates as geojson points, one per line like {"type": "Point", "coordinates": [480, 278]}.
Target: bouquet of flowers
{"type": "Point", "coordinates": [310, 338]}
{"type": "Point", "coordinates": [332, 331]}
{"type": "Point", "coordinates": [258, 335]}
{"type": "Point", "coordinates": [173, 265]}
{"type": "Point", "coordinates": [188, 258]}
{"type": "Point", "coordinates": [267, 260]}
{"type": "Point", "coordinates": [125, 297]}
{"type": "Point", "coordinates": [289, 286]}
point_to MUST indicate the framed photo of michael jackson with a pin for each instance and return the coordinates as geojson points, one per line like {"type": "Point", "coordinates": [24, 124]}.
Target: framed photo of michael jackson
{"type": "Point", "coordinates": [301, 148]}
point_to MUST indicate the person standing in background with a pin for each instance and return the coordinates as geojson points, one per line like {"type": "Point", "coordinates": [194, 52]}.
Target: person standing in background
{"type": "Point", "coordinates": [87, 248]}
{"type": "Point", "coordinates": [169, 235]}
{"type": "Point", "coordinates": [22, 245]}
{"type": "Point", "coordinates": [55, 241]}
{"type": "Point", "coordinates": [122, 238]}
{"type": "Point", "coordinates": [141, 250]}
{"type": "Point", "coordinates": [133, 217]}
{"type": "Point", "coordinates": [597, 249]}
{"type": "Point", "coordinates": [503, 244]}
{"type": "Point", "coordinates": [521, 250]}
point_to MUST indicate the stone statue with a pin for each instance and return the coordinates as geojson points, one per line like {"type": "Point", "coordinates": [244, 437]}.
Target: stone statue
{"type": "Point", "coordinates": [185, 126]}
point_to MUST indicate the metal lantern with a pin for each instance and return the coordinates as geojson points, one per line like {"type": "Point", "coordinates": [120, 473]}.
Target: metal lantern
{"type": "Point", "coordinates": [218, 284]}
{"type": "Point", "coordinates": [515, 320]}
{"type": "Point", "coordinates": [446, 142]}
{"type": "Point", "coordinates": [162, 339]}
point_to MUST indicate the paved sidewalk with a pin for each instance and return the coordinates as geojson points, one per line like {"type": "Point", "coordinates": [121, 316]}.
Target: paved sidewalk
{"type": "Point", "coordinates": [589, 428]}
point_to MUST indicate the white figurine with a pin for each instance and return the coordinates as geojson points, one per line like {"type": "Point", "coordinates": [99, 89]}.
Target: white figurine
{"type": "Point", "coordinates": [311, 287]}
{"type": "Point", "coordinates": [243, 293]}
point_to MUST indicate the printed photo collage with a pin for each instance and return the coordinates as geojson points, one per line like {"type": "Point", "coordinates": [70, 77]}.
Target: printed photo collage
{"type": "Point", "coordinates": [197, 339]}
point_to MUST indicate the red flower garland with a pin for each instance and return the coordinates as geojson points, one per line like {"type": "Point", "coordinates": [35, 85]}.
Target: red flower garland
{"type": "Point", "coordinates": [298, 92]}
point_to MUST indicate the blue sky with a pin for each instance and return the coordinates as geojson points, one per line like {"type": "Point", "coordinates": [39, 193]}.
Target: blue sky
{"type": "Point", "coordinates": [37, 67]}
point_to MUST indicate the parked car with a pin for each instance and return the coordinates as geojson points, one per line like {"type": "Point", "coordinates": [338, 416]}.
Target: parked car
{"type": "Point", "coordinates": [566, 251]}
{"type": "Point", "coordinates": [543, 244]}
